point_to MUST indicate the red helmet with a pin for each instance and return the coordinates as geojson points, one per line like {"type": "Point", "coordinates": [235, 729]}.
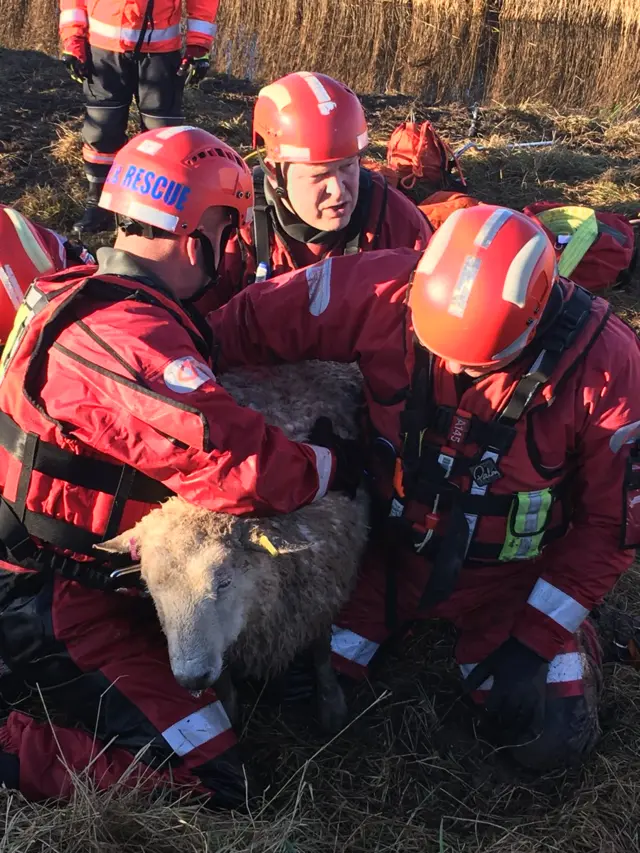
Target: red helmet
{"type": "Point", "coordinates": [24, 255]}
{"type": "Point", "coordinates": [309, 118]}
{"type": "Point", "coordinates": [169, 176]}
{"type": "Point", "coordinates": [481, 285]}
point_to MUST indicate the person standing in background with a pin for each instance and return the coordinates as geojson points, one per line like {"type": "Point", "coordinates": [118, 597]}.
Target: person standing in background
{"type": "Point", "coordinates": [122, 50]}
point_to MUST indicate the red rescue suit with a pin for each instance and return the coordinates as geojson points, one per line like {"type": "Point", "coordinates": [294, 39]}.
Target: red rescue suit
{"type": "Point", "coordinates": [552, 511]}
{"type": "Point", "coordinates": [108, 403]}
{"type": "Point", "coordinates": [384, 219]}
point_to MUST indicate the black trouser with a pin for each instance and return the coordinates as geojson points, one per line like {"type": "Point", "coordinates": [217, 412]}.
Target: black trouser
{"type": "Point", "coordinates": [115, 79]}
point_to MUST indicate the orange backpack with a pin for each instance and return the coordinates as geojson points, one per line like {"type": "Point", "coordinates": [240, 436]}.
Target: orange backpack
{"type": "Point", "coordinates": [417, 152]}
{"type": "Point", "coordinates": [439, 206]}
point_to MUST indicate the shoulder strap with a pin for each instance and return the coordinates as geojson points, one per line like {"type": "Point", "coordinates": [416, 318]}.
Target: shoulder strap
{"type": "Point", "coordinates": [552, 346]}
{"type": "Point", "coordinates": [261, 230]}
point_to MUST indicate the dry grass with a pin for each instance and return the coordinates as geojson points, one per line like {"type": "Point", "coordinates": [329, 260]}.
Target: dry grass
{"type": "Point", "coordinates": [561, 51]}
{"type": "Point", "coordinates": [409, 775]}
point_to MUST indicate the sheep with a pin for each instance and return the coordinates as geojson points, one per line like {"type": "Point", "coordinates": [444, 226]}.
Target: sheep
{"type": "Point", "coordinates": [253, 592]}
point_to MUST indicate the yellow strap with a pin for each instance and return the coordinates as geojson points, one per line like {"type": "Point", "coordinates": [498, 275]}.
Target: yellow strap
{"type": "Point", "coordinates": [30, 244]}
{"type": "Point", "coordinates": [268, 545]}
{"type": "Point", "coordinates": [581, 224]}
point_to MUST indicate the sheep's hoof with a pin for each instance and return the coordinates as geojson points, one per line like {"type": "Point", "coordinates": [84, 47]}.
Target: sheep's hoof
{"type": "Point", "coordinates": [332, 708]}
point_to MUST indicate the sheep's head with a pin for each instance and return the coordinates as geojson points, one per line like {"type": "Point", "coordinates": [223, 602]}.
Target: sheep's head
{"type": "Point", "coordinates": [198, 585]}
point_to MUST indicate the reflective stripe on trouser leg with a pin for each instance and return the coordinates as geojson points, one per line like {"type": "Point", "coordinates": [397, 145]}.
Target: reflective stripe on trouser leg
{"type": "Point", "coordinates": [351, 653]}
{"type": "Point", "coordinates": [104, 133]}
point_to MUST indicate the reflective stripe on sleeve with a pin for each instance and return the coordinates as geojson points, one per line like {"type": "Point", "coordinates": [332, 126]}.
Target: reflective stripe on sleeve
{"type": "Point", "coordinates": [324, 464]}
{"type": "Point", "coordinates": [352, 646]}
{"type": "Point", "coordinates": [197, 729]}
{"type": "Point", "coordinates": [205, 28]}
{"type": "Point", "coordinates": [73, 16]}
{"type": "Point", "coordinates": [557, 605]}
{"type": "Point", "coordinates": [565, 667]}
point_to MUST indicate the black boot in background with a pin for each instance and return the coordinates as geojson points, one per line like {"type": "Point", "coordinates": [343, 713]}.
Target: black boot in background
{"type": "Point", "coordinates": [94, 218]}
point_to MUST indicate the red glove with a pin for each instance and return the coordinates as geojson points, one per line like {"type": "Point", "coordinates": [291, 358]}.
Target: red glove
{"type": "Point", "coordinates": [74, 56]}
{"type": "Point", "coordinates": [76, 46]}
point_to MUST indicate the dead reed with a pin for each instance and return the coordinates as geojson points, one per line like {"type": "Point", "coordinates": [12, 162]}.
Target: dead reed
{"type": "Point", "coordinates": [566, 52]}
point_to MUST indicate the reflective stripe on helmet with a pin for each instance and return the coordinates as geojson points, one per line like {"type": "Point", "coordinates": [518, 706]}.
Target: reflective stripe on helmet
{"type": "Point", "coordinates": [30, 242]}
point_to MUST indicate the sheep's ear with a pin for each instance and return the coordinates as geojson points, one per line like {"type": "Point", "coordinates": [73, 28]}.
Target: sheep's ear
{"type": "Point", "coordinates": [125, 543]}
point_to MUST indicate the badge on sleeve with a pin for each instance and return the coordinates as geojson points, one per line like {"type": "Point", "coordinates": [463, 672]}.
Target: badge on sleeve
{"type": "Point", "coordinates": [186, 374]}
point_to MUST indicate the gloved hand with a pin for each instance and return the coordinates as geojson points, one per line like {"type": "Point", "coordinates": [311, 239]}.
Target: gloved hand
{"type": "Point", "coordinates": [75, 56]}
{"type": "Point", "coordinates": [77, 253]}
{"type": "Point", "coordinates": [348, 454]}
{"type": "Point", "coordinates": [195, 65]}
{"type": "Point", "coordinates": [516, 702]}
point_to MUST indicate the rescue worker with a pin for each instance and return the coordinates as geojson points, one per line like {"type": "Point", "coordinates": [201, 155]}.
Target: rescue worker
{"type": "Point", "coordinates": [120, 51]}
{"type": "Point", "coordinates": [504, 457]}
{"type": "Point", "coordinates": [312, 198]}
{"type": "Point", "coordinates": [28, 250]}
{"type": "Point", "coordinates": [109, 403]}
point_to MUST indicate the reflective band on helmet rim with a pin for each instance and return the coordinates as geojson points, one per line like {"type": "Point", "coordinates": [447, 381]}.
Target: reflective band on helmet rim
{"type": "Point", "coordinates": [526, 525]}
{"type": "Point", "coordinates": [557, 605]}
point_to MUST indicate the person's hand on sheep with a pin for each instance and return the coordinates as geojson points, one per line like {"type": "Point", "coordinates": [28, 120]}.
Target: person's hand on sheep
{"type": "Point", "coordinates": [348, 455]}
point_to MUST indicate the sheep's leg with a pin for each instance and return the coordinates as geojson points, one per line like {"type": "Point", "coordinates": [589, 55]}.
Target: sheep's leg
{"type": "Point", "coordinates": [332, 705]}
{"type": "Point", "coordinates": [228, 695]}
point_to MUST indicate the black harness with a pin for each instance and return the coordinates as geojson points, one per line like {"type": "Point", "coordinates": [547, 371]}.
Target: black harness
{"type": "Point", "coordinates": [19, 525]}
{"type": "Point", "coordinates": [428, 470]}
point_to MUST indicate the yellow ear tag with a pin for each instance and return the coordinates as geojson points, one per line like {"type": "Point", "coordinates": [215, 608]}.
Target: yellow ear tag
{"type": "Point", "coordinates": [268, 545]}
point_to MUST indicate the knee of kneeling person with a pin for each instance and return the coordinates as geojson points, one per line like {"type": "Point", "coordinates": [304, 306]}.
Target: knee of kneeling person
{"type": "Point", "coordinates": [571, 731]}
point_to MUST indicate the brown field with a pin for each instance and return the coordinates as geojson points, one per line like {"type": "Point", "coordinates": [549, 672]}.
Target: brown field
{"type": "Point", "coordinates": [564, 52]}
{"type": "Point", "coordinates": [409, 774]}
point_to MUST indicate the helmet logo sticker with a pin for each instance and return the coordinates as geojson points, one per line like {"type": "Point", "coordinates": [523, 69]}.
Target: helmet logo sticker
{"type": "Point", "coordinates": [146, 182]}
{"type": "Point", "coordinates": [186, 374]}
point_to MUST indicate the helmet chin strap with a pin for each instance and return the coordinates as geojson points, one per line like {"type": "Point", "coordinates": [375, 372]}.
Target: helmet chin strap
{"type": "Point", "coordinates": [280, 188]}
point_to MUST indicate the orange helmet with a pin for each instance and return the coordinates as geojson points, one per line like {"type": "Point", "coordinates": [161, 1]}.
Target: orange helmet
{"type": "Point", "coordinates": [168, 177]}
{"type": "Point", "coordinates": [309, 118]}
{"type": "Point", "coordinates": [24, 255]}
{"type": "Point", "coordinates": [481, 285]}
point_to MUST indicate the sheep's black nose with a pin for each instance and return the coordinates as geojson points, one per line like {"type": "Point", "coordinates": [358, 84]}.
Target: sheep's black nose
{"type": "Point", "coordinates": [195, 681]}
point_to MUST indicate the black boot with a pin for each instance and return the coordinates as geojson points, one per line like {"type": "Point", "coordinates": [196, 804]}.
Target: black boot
{"type": "Point", "coordinates": [94, 218]}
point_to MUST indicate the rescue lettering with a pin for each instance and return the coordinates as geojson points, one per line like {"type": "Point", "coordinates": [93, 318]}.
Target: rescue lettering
{"type": "Point", "coordinates": [146, 182]}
